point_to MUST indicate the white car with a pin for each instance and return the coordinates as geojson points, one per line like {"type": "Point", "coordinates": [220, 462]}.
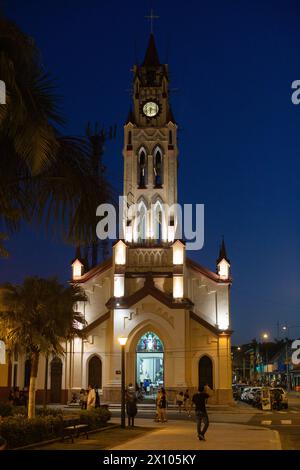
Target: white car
{"type": "Point", "coordinates": [251, 394]}
{"type": "Point", "coordinates": [244, 396]}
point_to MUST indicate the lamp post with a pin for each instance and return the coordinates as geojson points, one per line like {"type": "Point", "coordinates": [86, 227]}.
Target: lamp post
{"type": "Point", "coordinates": [122, 342]}
{"type": "Point", "coordinates": [265, 336]}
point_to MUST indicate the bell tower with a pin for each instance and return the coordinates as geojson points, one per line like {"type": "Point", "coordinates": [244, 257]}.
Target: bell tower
{"type": "Point", "coordinates": [150, 155]}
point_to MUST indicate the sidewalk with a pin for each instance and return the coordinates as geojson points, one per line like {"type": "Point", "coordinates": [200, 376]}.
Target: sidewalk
{"type": "Point", "coordinates": [181, 435]}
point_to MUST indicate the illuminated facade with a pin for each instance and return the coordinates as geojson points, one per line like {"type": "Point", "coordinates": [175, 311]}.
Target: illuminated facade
{"type": "Point", "coordinates": [174, 312]}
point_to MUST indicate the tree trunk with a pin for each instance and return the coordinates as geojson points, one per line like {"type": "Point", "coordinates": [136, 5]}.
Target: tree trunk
{"type": "Point", "coordinates": [33, 375]}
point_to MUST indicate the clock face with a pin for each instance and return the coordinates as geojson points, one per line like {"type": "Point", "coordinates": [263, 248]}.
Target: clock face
{"type": "Point", "coordinates": [150, 109]}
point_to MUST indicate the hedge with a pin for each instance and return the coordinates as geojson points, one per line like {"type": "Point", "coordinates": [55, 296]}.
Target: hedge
{"type": "Point", "coordinates": [18, 431]}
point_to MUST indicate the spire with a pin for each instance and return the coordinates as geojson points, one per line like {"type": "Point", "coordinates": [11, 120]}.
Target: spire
{"type": "Point", "coordinates": [151, 56]}
{"type": "Point", "coordinates": [222, 252]}
{"type": "Point", "coordinates": [130, 117]}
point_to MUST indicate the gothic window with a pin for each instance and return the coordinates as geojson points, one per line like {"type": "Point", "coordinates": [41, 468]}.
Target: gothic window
{"type": "Point", "coordinates": [129, 138]}
{"type": "Point", "coordinates": [158, 168]}
{"type": "Point", "coordinates": [27, 371]}
{"type": "Point", "coordinates": [95, 372]}
{"type": "Point", "coordinates": [141, 222]}
{"type": "Point", "coordinates": [158, 221]}
{"type": "Point", "coordinates": [170, 138]}
{"type": "Point", "coordinates": [149, 342]}
{"type": "Point", "coordinates": [142, 168]}
{"type": "Point", "coordinates": [206, 372]}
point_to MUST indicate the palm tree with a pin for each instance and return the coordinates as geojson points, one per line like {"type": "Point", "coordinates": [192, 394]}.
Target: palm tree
{"type": "Point", "coordinates": [35, 319]}
{"type": "Point", "coordinates": [44, 176]}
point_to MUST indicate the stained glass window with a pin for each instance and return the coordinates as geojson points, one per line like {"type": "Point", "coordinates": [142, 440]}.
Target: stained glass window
{"type": "Point", "coordinates": [150, 342]}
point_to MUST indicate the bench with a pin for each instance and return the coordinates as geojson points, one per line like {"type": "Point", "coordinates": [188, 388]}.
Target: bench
{"type": "Point", "coordinates": [73, 428]}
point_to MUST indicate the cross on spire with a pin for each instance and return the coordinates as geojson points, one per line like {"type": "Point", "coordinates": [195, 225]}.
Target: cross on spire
{"type": "Point", "coordinates": [151, 17]}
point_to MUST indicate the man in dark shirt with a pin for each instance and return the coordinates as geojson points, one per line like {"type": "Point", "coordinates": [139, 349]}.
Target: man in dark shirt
{"type": "Point", "coordinates": [199, 400]}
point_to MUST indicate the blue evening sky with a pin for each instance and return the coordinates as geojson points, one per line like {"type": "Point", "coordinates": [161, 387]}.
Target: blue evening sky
{"type": "Point", "coordinates": [232, 64]}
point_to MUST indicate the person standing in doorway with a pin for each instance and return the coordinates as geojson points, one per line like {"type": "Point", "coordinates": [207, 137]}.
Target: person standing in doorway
{"type": "Point", "coordinates": [179, 401]}
{"type": "Point", "coordinates": [162, 407]}
{"type": "Point", "coordinates": [131, 404]}
{"type": "Point", "coordinates": [91, 398]}
{"type": "Point", "coordinates": [186, 402]}
{"type": "Point", "coordinates": [199, 400]}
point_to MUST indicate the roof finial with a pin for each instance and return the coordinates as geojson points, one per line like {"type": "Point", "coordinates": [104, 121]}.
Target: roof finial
{"type": "Point", "coordinates": [151, 17]}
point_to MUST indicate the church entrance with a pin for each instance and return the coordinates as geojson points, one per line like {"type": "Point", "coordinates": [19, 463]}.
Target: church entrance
{"type": "Point", "coordinates": [206, 372]}
{"type": "Point", "coordinates": [150, 364]}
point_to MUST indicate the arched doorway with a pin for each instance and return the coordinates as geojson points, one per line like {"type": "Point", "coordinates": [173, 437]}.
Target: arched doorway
{"type": "Point", "coordinates": [95, 372]}
{"type": "Point", "coordinates": [56, 380]}
{"type": "Point", "coordinates": [206, 372]}
{"type": "Point", "coordinates": [27, 372]}
{"type": "Point", "coordinates": [150, 363]}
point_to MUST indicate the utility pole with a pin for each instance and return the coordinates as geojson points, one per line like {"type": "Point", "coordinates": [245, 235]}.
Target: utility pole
{"type": "Point", "coordinates": [97, 140]}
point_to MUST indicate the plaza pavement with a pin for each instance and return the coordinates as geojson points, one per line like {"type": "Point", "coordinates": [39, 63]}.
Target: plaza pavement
{"type": "Point", "coordinates": [181, 435]}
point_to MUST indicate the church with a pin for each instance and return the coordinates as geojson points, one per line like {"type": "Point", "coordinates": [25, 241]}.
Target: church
{"type": "Point", "coordinates": [173, 313]}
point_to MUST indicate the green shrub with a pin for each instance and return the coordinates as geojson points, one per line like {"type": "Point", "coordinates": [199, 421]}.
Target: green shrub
{"type": "Point", "coordinates": [6, 409]}
{"type": "Point", "coordinates": [19, 410]}
{"type": "Point", "coordinates": [95, 418]}
{"type": "Point", "coordinates": [48, 412]}
{"type": "Point", "coordinates": [19, 431]}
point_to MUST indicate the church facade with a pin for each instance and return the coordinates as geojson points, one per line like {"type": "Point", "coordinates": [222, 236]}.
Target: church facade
{"type": "Point", "coordinates": [174, 313]}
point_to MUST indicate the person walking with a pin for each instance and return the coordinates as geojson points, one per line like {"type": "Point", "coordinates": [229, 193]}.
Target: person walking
{"type": "Point", "coordinates": [179, 401]}
{"type": "Point", "coordinates": [162, 406]}
{"type": "Point", "coordinates": [91, 398]}
{"type": "Point", "coordinates": [186, 402]}
{"type": "Point", "coordinates": [82, 399]}
{"type": "Point", "coordinates": [199, 400]}
{"type": "Point", "coordinates": [131, 404]}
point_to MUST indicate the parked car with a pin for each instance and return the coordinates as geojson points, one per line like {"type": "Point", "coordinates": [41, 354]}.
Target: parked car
{"type": "Point", "coordinates": [279, 397]}
{"type": "Point", "coordinates": [237, 390]}
{"type": "Point", "coordinates": [244, 395]}
{"type": "Point", "coordinates": [251, 396]}
{"type": "Point", "coordinates": [257, 398]}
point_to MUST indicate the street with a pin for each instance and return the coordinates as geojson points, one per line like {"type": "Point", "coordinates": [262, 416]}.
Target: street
{"type": "Point", "coordinates": [285, 422]}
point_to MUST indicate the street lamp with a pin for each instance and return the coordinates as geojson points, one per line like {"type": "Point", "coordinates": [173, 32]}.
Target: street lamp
{"type": "Point", "coordinates": [122, 342]}
{"type": "Point", "coordinates": [265, 336]}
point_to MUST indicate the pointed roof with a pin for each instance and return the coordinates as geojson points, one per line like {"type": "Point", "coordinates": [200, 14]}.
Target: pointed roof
{"type": "Point", "coordinates": [222, 253]}
{"type": "Point", "coordinates": [151, 56]}
{"type": "Point", "coordinates": [170, 116]}
{"type": "Point", "coordinates": [130, 117]}
{"type": "Point", "coordinates": [78, 256]}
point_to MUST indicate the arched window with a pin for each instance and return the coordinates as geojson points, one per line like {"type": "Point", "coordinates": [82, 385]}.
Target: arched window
{"type": "Point", "coordinates": [129, 138]}
{"type": "Point", "coordinates": [142, 168]}
{"type": "Point", "coordinates": [206, 372]}
{"type": "Point", "coordinates": [158, 168]}
{"type": "Point", "coordinates": [141, 223]}
{"type": "Point", "coordinates": [95, 372]}
{"type": "Point", "coordinates": [170, 138]}
{"type": "Point", "coordinates": [157, 221]}
{"type": "Point", "coordinates": [27, 371]}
